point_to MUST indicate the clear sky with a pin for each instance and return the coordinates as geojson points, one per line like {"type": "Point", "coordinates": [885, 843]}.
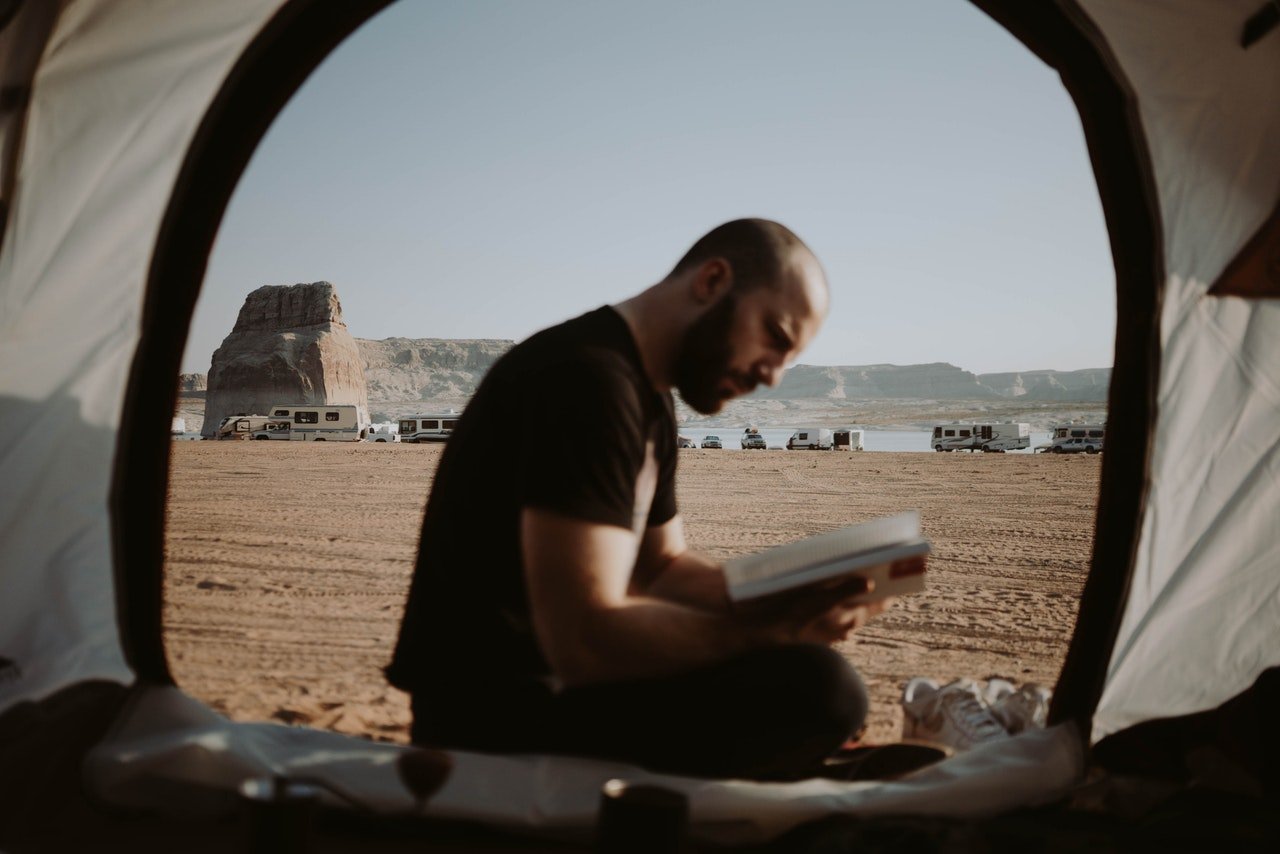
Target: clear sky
{"type": "Point", "coordinates": [483, 170]}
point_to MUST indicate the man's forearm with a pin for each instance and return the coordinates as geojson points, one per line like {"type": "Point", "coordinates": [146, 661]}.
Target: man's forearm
{"type": "Point", "coordinates": [646, 637]}
{"type": "Point", "coordinates": [693, 580]}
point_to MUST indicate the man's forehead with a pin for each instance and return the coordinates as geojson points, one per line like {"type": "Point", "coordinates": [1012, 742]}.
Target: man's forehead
{"type": "Point", "coordinates": [802, 293]}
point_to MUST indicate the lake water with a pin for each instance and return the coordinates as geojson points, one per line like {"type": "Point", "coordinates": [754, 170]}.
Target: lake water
{"type": "Point", "coordinates": [872, 440]}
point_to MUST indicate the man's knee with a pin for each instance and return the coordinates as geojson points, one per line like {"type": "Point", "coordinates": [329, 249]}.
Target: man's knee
{"type": "Point", "coordinates": [818, 681]}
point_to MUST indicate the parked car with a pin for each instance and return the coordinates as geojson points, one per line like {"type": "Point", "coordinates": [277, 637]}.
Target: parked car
{"type": "Point", "coordinates": [384, 435]}
{"type": "Point", "coordinates": [685, 442]}
{"type": "Point", "coordinates": [1079, 446]}
{"type": "Point", "coordinates": [753, 441]}
{"type": "Point", "coordinates": [711, 442]}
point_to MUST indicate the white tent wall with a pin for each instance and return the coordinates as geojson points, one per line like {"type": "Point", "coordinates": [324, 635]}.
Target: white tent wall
{"type": "Point", "coordinates": [121, 88]}
{"type": "Point", "coordinates": [1203, 613]}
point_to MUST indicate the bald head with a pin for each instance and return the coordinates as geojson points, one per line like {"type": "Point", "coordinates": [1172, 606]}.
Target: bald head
{"type": "Point", "coordinates": [760, 253]}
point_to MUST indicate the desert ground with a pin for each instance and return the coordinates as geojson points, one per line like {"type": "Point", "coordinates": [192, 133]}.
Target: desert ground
{"type": "Point", "coordinates": [287, 564]}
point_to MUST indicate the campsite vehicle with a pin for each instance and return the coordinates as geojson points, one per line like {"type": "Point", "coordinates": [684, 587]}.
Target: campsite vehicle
{"type": "Point", "coordinates": [178, 426]}
{"type": "Point", "coordinates": [318, 422]}
{"type": "Point", "coordinates": [433, 427]}
{"type": "Point", "coordinates": [686, 442]}
{"type": "Point", "coordinates": [1076, 438]}
{"type": "Point", "coordinates": [846, 440]}
{"type": "Point", "coordinates": [711, 442]}
{"type": "Point", "coordinates": [112, 208]}
{"type": "Point", "coordinates": [752, 441]}
{"type": "Point", "coordinates": [990, 437]}
{"type": "Point", "coordinates": [810, 438]}
{"type": "Point", "coordinates": [384, 435]}
{"type": "Point", "coordinates": [1077, 445]}
{"type": "Point", "coordinates": [1001, 436]}
{"type": "Point", "coordinates": [241, 426]}
{"type": "Point", "coordinates": [953, 437]}
{"type": "Point", "coordinates": [279, 429]}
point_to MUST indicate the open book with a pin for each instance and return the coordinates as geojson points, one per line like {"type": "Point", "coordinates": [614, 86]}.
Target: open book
{"type": "Point", "coordinates": [865, 550]}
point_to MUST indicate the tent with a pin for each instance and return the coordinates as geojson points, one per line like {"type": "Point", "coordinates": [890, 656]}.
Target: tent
{"type": "Point", "coordinates": [124, 126]}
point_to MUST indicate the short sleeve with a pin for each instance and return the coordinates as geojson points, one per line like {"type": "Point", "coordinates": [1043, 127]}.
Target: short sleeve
{"type": "Point", "coordinates": [584, 465]}
{"type": "Point", "coordinates": [664, 500]}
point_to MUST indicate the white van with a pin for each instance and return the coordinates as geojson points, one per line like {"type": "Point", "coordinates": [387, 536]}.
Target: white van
{"type": "Point", "coordinates": [432, 427]}
{"type": "Point", "coordinates": [313, 423]}
{"type": "Point", "coordinates": [846, 440]}
{"type": "Point", "coordinates": [812, 438]}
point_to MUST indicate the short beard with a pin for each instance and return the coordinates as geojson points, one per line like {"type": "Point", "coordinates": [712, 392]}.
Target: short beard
{"type": "Point", "coordinates": [702, 363]}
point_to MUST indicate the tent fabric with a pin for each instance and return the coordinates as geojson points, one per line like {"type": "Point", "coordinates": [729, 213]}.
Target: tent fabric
{"type": "Point", "coordinates": [119, 92]}
{"type": "Point", "coordinates": [168, 750]}
{"type": "Point", "coordinates": [1202, 618]}
{"type": "Point", "coordinates": [93, 165]}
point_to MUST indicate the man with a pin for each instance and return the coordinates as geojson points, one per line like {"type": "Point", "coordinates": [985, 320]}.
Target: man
{"type": "Point", "coordinates": [556, 607]}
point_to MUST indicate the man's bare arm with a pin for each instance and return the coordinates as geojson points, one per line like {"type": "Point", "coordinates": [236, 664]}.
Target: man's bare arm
{"type": "Point", "coordinates": [593, 627]}
{"type": "Point", "coordinates": [667, 569]}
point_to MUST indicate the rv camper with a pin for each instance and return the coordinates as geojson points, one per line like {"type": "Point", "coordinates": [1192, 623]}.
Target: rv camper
{"type": "Point", "coordinates": [994, 437]}
{"type": "Point", "coordinates": [428, 428]}
{"type": "Point", "coordinates": [953, 437]}
{"type": "Point", "coordinates": [810, 438]}
{"type": "Point", "coordinates": [846, 440]}
{"type": "Point", "coordinates": [1000, 437]}
{"type": "Point", "coordinates": [314, 423]}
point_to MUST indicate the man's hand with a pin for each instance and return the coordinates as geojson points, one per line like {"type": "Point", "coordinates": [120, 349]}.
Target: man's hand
{"type": "Point", "coordinates": [820, 613]}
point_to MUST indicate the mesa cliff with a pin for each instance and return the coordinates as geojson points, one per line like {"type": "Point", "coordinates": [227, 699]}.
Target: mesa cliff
{"type": "Point", "coordinates": [289, 345]}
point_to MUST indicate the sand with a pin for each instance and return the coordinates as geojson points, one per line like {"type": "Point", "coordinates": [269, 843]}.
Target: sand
{"type": "Point", "coordinates": [287, 564]}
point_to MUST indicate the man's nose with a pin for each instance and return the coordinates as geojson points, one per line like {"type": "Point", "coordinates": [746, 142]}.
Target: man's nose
{"type": "Point", "coordinates": [769, 374]}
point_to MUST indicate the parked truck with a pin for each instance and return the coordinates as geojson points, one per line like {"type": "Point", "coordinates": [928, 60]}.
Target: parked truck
{"type": "Point", "coordinates": [1076, 438]}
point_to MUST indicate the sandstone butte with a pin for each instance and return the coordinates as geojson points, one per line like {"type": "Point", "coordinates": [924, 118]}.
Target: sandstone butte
{"type": "Point", "coordinates": [289, 345]}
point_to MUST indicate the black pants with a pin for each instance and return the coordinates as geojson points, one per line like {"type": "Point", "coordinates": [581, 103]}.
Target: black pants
{"type": "Point", "coordinates": [770, 714]}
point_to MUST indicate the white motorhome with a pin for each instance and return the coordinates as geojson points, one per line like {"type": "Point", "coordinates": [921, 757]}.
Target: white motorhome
{"type": "Point", "coordinates": [953, 437]}
{"type": "Point", "coordinates": [810, 438]}
{"type": "Point", "coordinates": [241, 426]}
{"type": "Point", "coordinates": [313, 423]}
{"type": "Point", "coordinates": [999, 437]}
{"type": "Point", "coordinates": [846, 440]}
{"type": "Point", "coordinates": [1077, 438]}
{"type": "Point", "coordinates": [178, 426]}
{"type": "Point", "coordinates": [432, 427]}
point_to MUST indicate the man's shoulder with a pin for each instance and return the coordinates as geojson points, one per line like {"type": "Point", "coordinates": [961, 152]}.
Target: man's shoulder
{"type": "Point", "coordinates": [595, 346]}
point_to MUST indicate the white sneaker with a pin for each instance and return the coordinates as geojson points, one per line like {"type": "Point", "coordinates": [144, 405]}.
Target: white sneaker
{"type": "Point", "coordinates": [1025, 708]}
{"type": "Point", "coordinates": [954, 714]}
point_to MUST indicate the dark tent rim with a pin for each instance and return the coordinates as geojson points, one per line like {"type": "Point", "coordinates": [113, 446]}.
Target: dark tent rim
{"type": "Point", "coordinates": [303, 33]}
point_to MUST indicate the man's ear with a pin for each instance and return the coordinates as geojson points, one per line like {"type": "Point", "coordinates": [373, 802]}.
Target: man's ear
{"type": "Point", "coordinates": [713, 279]}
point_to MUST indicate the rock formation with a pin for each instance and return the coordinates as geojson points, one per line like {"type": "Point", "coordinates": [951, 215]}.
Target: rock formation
{"type": "Point", "coordinates": [192, 382]}
{"type": "Point", "coordinates": [444, 372]}
{"type": "Point", "coordinates": [289, 345]}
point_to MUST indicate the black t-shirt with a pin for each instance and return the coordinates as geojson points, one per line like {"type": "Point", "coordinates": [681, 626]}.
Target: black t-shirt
{"type": "Point", "coordinates": [565, 421]}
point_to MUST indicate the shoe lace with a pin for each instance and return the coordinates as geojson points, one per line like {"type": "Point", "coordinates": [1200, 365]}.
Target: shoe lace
{"type": "Point", "coordinates": [970, 716]}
